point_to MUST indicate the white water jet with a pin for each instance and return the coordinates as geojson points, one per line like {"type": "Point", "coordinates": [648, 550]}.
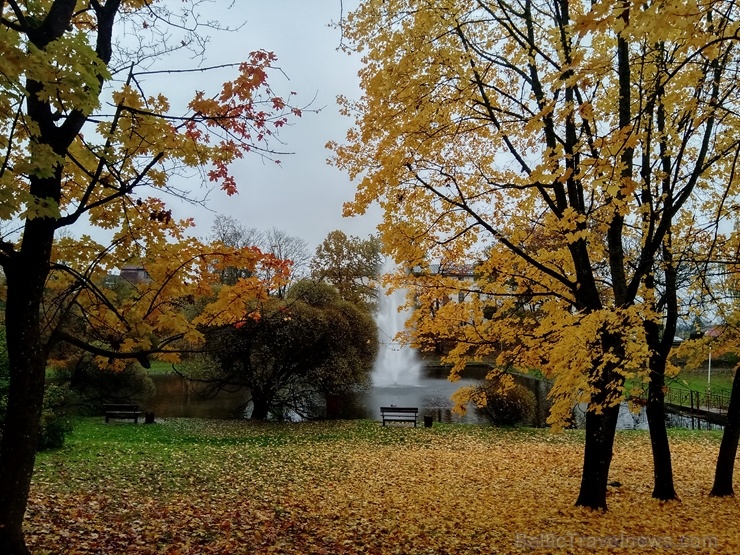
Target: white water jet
{"type": "Point", "coordinates": [397, 364]}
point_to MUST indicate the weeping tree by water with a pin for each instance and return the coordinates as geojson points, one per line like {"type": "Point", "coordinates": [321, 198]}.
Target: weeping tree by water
{"type": "Point", "coordinates": [291, 353]}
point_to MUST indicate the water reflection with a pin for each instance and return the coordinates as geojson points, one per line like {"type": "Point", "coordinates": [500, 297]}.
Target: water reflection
{"type": "Point", "coordinates": [178, 398]}
{"type": "Point", "coordinates": [175, 397]}
{"type": "Point", "coordinates": [432, 396]}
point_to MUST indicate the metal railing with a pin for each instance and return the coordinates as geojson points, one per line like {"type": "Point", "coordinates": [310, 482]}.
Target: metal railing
{"type": "Point", "coordinates": [697, 401]}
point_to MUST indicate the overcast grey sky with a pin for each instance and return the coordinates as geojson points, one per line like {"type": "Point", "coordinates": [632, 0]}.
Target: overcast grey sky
{"type": "Point", "coordinates": [303, 196]}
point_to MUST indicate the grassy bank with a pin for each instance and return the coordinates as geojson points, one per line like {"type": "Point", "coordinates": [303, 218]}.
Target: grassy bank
{"type": "Point", "coordinates": [697, 380]}
{"type": "Point", "coordinates": [193, 486]}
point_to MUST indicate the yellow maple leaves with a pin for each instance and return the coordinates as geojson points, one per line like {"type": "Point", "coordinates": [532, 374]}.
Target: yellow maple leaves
{"type": "Point", "coordinates": [193, 486]}
{"type": "Point", "coordinates": [113, 168]}
{"type": "Point", "coordinates": [555, 149]}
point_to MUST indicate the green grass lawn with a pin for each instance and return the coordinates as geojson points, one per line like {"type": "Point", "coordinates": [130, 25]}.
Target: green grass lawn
{"type": "Point", "coordinates": [159, 367]}
{"type": "Point", "coordinates": [697, 380]}
{"type": "Point", "coordinates": [198, 486]}
{"type": "Point", "coordinates": [721, 381]}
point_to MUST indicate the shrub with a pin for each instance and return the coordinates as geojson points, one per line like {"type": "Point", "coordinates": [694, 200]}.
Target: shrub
{"type": "Point", "coordinates": [55, 422]}
{"type": "Point", "coordinates": [507, 405]}
{"type": "Point", "coordinates": [318, 294]}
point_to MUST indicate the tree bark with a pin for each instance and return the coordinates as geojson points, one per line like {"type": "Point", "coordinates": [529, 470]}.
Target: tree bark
{"type": "Point", "coordinates": [663, 487]}
{"type": "Point", "coordinates": [261, 407]}
{"type": "Point", "coordinates": [601, 424]}
{"type": "Point", "coordinates": [18, 453]}
{"type": "Point", "coordinates": [597, 457]}
{"type": "Point", "coordinates": [27, 357]}
{"type": "Point", "coordinates": [728, 448]}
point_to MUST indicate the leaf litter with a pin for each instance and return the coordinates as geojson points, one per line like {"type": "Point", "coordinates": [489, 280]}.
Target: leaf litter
{"type": "Point", "coordinates": [196, 486]}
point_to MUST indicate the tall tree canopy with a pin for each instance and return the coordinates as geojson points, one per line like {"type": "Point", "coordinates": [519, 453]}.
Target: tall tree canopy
{"type": "Point", "coordinates": [83, 140]}
{"type": "Point", "coordinates": [573, 149]}
{"type": "Point", "coordinates": [351, 265]}
{"type": "Point", "coordinates": [293, 251]}
{"type": "Point", "coordinates": [290, 353]}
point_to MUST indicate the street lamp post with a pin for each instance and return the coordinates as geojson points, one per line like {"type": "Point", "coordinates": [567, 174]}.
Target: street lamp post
{"type": "Point", "coordinates": [709, 375]}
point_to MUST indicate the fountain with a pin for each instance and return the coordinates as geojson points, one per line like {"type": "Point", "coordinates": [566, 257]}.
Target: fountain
{"type": "Point", "coordinates": [396, 364]}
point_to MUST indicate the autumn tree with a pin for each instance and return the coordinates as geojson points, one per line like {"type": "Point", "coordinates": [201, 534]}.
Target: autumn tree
{"type": "Point", "coordinates": [290, 353]}
{"type": "Point", "coordinates": [350, 264]}
{"type": "Point", "coordinates": [85, 141]}
{"type": "Point", "coordinates": [719, 292]}
{"type": "Point", "coordinates": [570, 147]}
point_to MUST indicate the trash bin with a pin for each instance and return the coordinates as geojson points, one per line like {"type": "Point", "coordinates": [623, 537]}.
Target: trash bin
{"type": "Point", "coordinates": [333, 404]}
{"type": "Point", "coordinates": [428, 419]}
{"type": "Point", "coordinates": [148, 418]}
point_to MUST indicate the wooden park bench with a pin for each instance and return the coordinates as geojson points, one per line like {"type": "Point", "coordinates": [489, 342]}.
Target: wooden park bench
{"type": "Point", "coordinates": [122, 411]}
{"type": "Point", "coordinates": [399, 414]}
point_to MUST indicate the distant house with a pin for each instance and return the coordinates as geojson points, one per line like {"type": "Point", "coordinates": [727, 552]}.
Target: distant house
{"type": "Point", "coordinates": [134, 274]}
{"type": "Point", "coordinates": [714, 332]}
{"type": "Point", "coordinates": [463, 273]}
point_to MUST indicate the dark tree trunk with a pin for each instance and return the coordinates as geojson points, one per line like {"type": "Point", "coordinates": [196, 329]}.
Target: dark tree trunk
{"type": "Point", "coordinates": [728, 448]}
{"type": "Point", "coordinates": [261, 407]}
{"type": "Point", "coordinates": [27, 357]}
{"type": "Point", "coordinates": [18, 452]}
{"type": "Point", "coordinates": [597, 457]}
{"type": "Point", "coordinates": [663, 487]}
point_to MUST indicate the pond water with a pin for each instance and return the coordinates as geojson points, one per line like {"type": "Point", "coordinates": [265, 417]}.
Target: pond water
{"type": "Point", "coordinates": [628, 420]}
{"type": "Point", "coordinates": [175, 397]}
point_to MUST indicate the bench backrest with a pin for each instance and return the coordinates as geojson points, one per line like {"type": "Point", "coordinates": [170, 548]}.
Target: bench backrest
{"type": "Point", "coordinates": [399, 409]}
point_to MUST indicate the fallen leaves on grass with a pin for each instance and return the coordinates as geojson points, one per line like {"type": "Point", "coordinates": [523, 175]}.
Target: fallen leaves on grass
{"type": "Point", "coordinates": [345, 488]}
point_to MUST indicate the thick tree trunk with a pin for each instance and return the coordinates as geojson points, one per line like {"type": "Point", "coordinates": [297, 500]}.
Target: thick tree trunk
{"type": "Point", "coordinates": [597, 457]}
{"type": "Point", "coordinates": [18, 452]}
{"type": "Point", "coordinates": [663, 487]}
{"type": "Point", "coordinates": [261, 407]}
{"type": "Point", "coordinates": [27, 357]}
{"type": "Point", "coordinates": [728, 448]}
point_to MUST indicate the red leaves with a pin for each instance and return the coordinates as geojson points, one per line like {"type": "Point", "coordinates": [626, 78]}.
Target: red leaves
{"type": "Point", "coordinates": [221, 173]}
{"type": "Point", "coordinates": [243, 117]}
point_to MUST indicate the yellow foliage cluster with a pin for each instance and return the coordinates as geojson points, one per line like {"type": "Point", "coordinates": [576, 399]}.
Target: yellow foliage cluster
{"type": "Point", "coordinates": [156, 315]}
{"type": "Point", "coordinates": [80, 146]}
{"type": "Point", "coordinates": [571, 155]}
